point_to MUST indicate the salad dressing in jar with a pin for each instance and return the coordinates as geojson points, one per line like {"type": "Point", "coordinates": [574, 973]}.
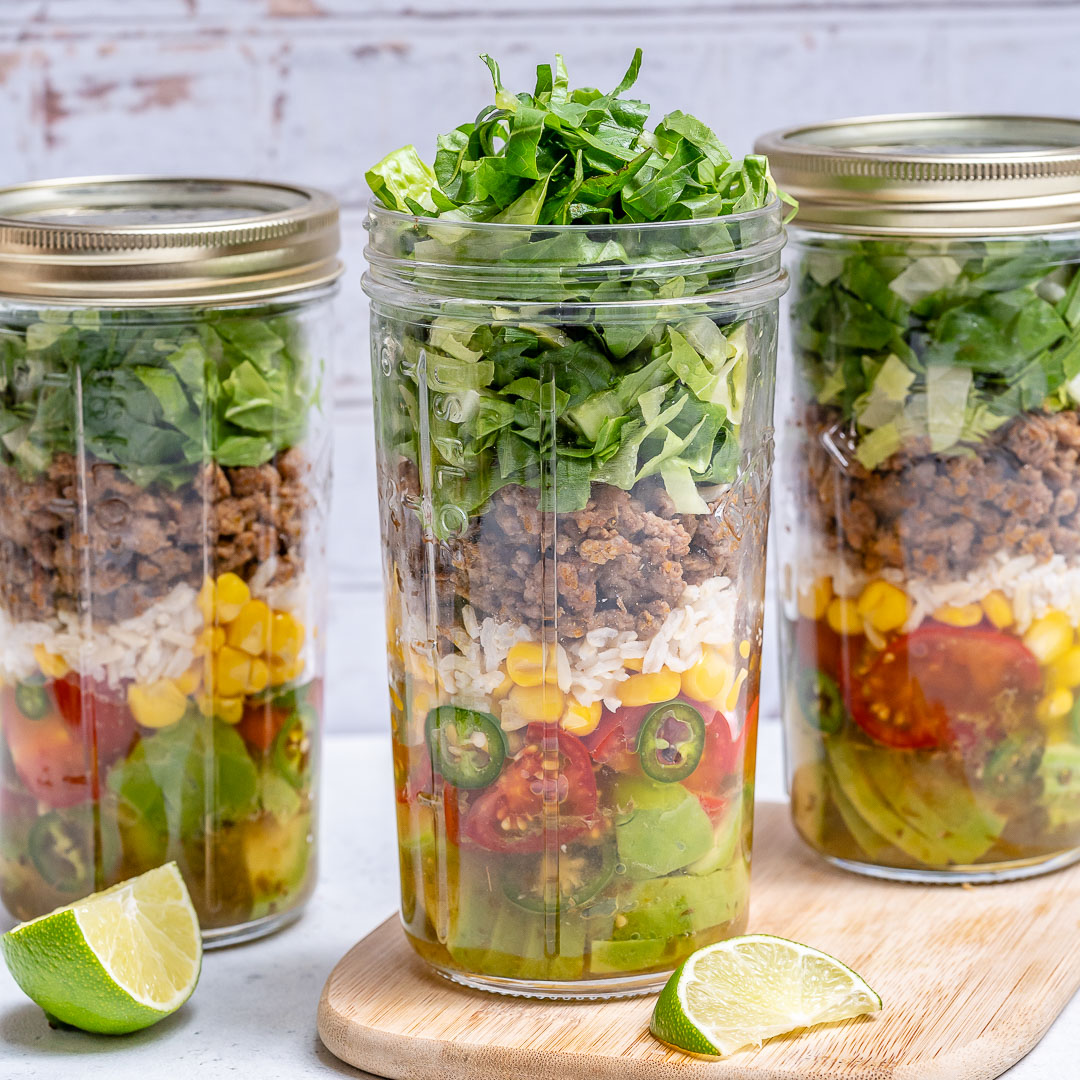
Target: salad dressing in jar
{"type": "Point", "coordinates": [574, 452]}
{"type": "Point", "coordinates": [929, 492]}
{"type": "Point", "coordinates": [164, 465]}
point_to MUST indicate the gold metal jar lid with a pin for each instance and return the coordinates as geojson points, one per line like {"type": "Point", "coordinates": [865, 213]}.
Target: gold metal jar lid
{"type": "Point", "coordinates": [143, 240]}
{"type": "Point", "coordinates": [932, 174]}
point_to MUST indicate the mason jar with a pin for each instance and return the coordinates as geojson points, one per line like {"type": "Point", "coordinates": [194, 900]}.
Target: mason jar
{"type": "Point", "coordinates": [164, 465]}
{"type": "Point", "coordinates": [929, 533]}
{"type": "Point", "coordinates": [574, 452]}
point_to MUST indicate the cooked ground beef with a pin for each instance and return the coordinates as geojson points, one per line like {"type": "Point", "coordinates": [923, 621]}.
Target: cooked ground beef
{"type": "Point", "coordinates": [940, 515]}
{"type": "Point", "coordinates": [135, 544]}
{"type": "Point", "coordinates": [622, 562]}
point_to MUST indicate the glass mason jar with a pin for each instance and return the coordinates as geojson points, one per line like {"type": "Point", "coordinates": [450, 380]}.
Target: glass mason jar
{"type": "Point", "coordinates": [164, 460]}
{"type": "Point", "coordinates": [574, 453]}
{"type": "Point", "coordinates": [928, 492]}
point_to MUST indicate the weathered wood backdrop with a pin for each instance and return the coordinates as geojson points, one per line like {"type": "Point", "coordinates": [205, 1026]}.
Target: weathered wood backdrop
{"type": "Point", "coordinates": [315, 90]}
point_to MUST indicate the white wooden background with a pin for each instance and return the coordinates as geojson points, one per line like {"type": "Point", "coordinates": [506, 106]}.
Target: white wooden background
{"type": "Point", "coordinates": [315, 90]}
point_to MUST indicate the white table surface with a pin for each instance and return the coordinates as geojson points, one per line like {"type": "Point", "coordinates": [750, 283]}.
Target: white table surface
{"type": "Point", "coordinates": [253, 1014]}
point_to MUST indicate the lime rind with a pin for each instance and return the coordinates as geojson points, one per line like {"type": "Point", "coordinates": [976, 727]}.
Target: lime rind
{"type": "Point", "coordinates": [740, 992]}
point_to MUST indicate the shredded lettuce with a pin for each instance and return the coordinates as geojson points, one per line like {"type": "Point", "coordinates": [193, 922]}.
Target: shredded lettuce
{"type": "Point", "coordinates": [616, 400]}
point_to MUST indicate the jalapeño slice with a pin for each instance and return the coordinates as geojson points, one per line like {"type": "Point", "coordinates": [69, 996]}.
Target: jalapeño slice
{"type": "Point", "coordinates": [820, 700]}
{"type": "Point", "coordinates": [671, 741]}
{"type": "Point", "coordinates": [31, 698]}
{"type": "Point", "coordinates": [467, 746]}
{"type": "Point", "coordinates": [60, 846]}
{"type": "Point", "coordinates": [292, 746]}
{"type": "Point", "coordinates": [584, 870]}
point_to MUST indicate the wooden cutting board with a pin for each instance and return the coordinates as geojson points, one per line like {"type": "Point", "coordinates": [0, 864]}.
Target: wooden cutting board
{"type": "Point", "coordinates": [971, 978]}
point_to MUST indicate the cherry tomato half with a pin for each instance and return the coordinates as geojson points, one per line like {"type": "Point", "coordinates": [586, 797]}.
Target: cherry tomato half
{"type": "Point", "coordinates": [926, 686]}
{"type": "Point", "coordinates": [49, 757]}
{"type": "Point", "coordinates": [99, 713]}
{"type": "Point", "coordinates": [509, 815]}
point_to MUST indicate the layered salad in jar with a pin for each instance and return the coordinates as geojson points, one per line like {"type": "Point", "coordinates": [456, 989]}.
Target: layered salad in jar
{"type": "Point", "coordinates": [574, 508]}
{"type": "Point", "coordinates": [931, 593]}
{"type": "Point", "coordinates": [159, 696]}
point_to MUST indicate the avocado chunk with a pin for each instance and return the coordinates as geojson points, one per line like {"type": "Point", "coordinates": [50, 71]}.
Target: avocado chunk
{"type": "Point", "coordinates": [663, 828]}
{"type": "Point", "coordinates": [1059, 771]}
{"type": "Point", "coordinates": [636, 954]}
{"type": "Point", "coordinates": [726, 845]}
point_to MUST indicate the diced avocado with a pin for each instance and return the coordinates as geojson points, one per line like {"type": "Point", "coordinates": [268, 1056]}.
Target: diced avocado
{"type": "Point", "coordinates": [492, 936]}
{"type": "Point", "coordinates": [941, 806]}
{"type": "Point", "coordinates": [872, 807]}
{"type": "Point", "coordinates": [875, 847]}
{"type": "Point", "coordinates": [809, 801]}
{"type": "Point", "coordinates": [1060, 774]}
{"type": "Point", "coordinates": [664, 828]}
{"type": "Point", "coordinates": [670, 907]}
{"type": "Point", "coordinates": [726, 845]}
{"type": "Point", "coordinates": [276, 853]}
{"type": "Point", "coordinates": [637, 954]}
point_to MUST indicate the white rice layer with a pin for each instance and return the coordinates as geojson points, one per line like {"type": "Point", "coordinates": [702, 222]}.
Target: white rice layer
{"type": "Point", "coordinates": [591, 668]}
{"type": "Point", "coordinates": [1031, 587]}
{"type": "Point", "coordinates": [158, 644]}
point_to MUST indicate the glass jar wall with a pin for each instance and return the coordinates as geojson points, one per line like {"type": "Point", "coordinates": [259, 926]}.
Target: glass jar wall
{"type": "Point", "coordinates": [574, 503]}
{"type": "Point", "coordinates": [163, 493]}
{"type": "Point", "coordinates": [927, 501]}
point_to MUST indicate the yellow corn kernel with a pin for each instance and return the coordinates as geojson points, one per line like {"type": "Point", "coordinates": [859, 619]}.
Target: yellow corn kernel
{"type": "Point", "coordinates": [537, 702]}
{"type": "Point", "coordinates": [190, 681]}
{"type": "Point", "coordinates": [282, 672]}
{"type": "Point", "coordinates": [998, 609]}
{"type": "Point", "coordinates": [1056, 705]}
{"type": "Point", "coordinates": [503, 688]}
{"type": "Point", "coordinates": [209, 641]}
{"type": "Point", "coordinates": [843, 616]}
{"type": "Point", "coordinates": [1049, 637]}
{"type": "Point", "coordinates": [744, 649]}
{"type": "Point", "coordinates": [230, 595]}
{"type": "Point", "coordinates": [205, 703]}
{"type": "Point", "coordinates": [287, 638]}
{"type": "Point", "coordinates": [814, 601]}
{"type": "Point", "coordinates": [156, 705]}
{"type": "Point", "coordinates": [634, 663]}
{"type": "Point", "coordinates": [961, 615]}
{"type": "Point", "coordinates": [884, 606]}
{"type": "Point", "coordinates": [206, 599]}
{"type": "Point", "coordinates": [525, 664]}
{"type": "Point", "coordinates": [650, 689]}
{"type": "Point", "coordinates": [395, 698]}
{"type": "Point", "coordinates": [232, 670]}
{"type": "Point", "coordinates": [229, 709]}
{"type": "Point", "coordinates": [259, 678]}
{"type": "Point", "coordinates": [1065, 670]}
{"type": "Point", "coordinates": [250, 630]}
{"type": "Point", "coordinates": [707, 677]}
{"type": "Point", "coordinates": [581, 719]}
{"type": "Point", "coordinates": [52, 666]}
{"type": "Point", "coordinates": [735, 691]}
{"type": "Point", "coordinates": [416, 663]}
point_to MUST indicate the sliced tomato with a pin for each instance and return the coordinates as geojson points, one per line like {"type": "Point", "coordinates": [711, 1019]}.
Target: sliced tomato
{"type": "Point", "coordinates": [49, 756]}
{"type": "Point", "coordinates": [614, 742]}
{"type": "Point", "coordinates": [413, 774]}
{"type": "Point", "coordinates": [99, 713]}
{"type": "Point", "coordinates": [260, 724]}
{"type": "Point", "coordinates": [818, 645]}
{"type": "Point", "coordinates": [928, 686]}
{"type": "Point", "coordinates": [718, 761]}
{"type": "Point", "coordinates": [509, 815]}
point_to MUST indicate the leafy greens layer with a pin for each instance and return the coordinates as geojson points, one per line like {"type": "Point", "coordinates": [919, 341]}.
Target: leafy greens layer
{"type": "Point", "coordinates": [155, 394]}
{"type": "Point", "coordinates": [554, 403]}
{"type": "Point", "coordinates": [942, 342]}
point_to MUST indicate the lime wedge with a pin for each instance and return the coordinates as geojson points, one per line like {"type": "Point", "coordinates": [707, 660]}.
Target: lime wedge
{"type": "Point", "coordinates": [745, 990]}
{"type": "Point", "coordinates": [116, 961]}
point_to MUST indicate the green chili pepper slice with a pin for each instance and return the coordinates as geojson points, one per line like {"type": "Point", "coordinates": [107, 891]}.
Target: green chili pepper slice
{"type": "Point", "coordinates": [671, 741]}
{"type": "Point", "coordinates": [291, 752]}
{"type": "Point", "coordinates": [32, 698]}
{"type": "Point", "coordinates": [584, 871]}
{"type": "Point", "coordinates": [821, 702]}
{"type": "Point", "coordinates": [1013, 763]}
{"type": "Point", "coordinates": [60, 846]}
{"type": "Point", "coordinates": [467, 746]}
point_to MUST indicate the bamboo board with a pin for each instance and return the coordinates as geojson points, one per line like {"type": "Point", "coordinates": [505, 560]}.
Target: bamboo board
{"type": "Point", "coordinates": [971, 978]}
